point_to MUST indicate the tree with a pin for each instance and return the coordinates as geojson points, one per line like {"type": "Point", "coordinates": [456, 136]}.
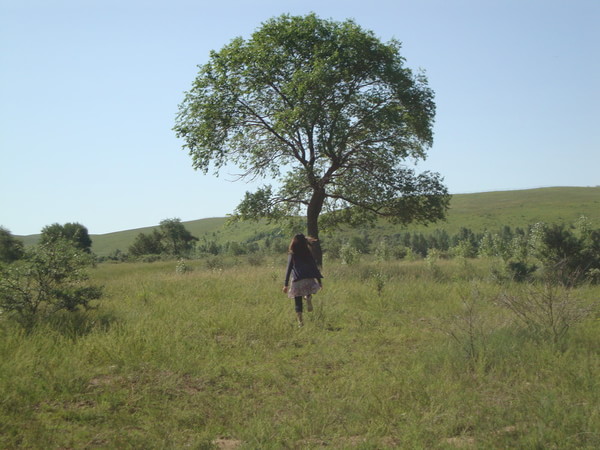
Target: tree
{"type": "Point", "coordinates": [73, 232]}
{"type": "Point", "coordinates": [172, 238]}
{"type": "Point", "coordinates": [566, 256]}
{"type": "Point", "coordinates": [50, 278]}
{"type": "Point", "coordinates": [325, 109]}
{"type": "Point", "coordinates": [11, 249]}
{"type": "Point", "coordinates": [176, 238]}
{"type": "Point", "coordinates": [147, 244]}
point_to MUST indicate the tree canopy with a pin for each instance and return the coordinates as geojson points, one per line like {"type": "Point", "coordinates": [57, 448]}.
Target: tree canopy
{"type": "Point", "coordinates": [328, 112]}
{"type": "Point", "coordinates": [11, 248]}
{"type": "Point", "coordinates": [75, 233]}
{"type": "Point", "coordinates": [172, 238]}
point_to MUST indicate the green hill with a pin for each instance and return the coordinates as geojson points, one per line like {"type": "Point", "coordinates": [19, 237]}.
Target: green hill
{"type": "Point", "coordinates": [492, 210]}
{"type": "Point", "coordinates": [481, 211]}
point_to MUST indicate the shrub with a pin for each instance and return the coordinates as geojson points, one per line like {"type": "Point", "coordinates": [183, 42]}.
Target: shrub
{"type": "Point", "coordinates": [11, 249]}
{"type": "Point", "coordinates": [520, 270]}
{"type": "Point", "coordinates": [255, 259]}
{"type": "Point", "coordinates": [566, 257]}
{"type": "Point", "coordinates": [49, 279]}
{"type": "Point", "coordinates": [379, 280]}
{"type": "Point", "coordinates": [464, 248]}
{"type": "Point", "coordinates": [349, 254]}
{"type": "Point", "coordinates": [547, 310]}
{"type": "Point", "coordinates": [215, 263]}
{"type": "Point", "coordinates": [182, 268]}
{"type": "Point", "coordinates": [383, 251]}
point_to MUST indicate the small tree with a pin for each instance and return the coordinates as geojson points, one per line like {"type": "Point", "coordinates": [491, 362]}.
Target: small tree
{"type": "Point", "coordinates": [566, 256]}
{"type": "Point", "coordinates": [147, 244]}
{"type": "Point", "coordinates": [73, 232]}
{"type": "Point", "coordinates": [50, 278]}
{"type": "Point", "coordinates": [177, 240]}
{"type": "Point", "coordinates": [172, 238]}
{"type": "Point", "coordinates": [11, 249]}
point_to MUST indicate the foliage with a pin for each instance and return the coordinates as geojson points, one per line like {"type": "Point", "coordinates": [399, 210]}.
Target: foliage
{"type": "Point", "coordinates": [177, 240]}
{"type": "Point", "coordinates": [50, 278]}
{"type": "Point", "coordinates": [566, 255]}
{"type": "Point", "coordinates": [349, 254]}
{"type": "Point", "coordinates": [147, 244]}
{"type": "Point", "coordinates": [76, 233]}
{"type": "Point", "coordinates": [520, 270]}
{"type": "Point", "coordinates": [547, 310]}
{"type": "Point", "coordinates": [172, 238]}
{"type": "Point", "coordinates": [470, 328]}
{"type": "Point", "coordinates": [182, 267]}
{"type": "Point", "coordinates": [11, 248]}
{"type": "Point", "coordinates": [331, 104]}
{"type": "Point", "coordinates": [379, 280]}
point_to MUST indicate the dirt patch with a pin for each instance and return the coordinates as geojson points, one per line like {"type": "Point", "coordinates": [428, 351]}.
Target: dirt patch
{"type": "Point", "coordinates": [227, 444]}
{"type": "Point", "coordinates": [460, 441]}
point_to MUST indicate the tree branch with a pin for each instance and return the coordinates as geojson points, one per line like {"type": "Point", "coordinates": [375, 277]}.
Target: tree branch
{"type": "Point", "coordinates": [270, 129]}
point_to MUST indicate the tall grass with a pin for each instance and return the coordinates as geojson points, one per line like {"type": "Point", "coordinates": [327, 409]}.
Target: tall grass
{"type": "Point", "coordinates": [213, 357]}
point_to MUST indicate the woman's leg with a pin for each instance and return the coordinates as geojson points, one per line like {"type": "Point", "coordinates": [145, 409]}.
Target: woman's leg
{"type": "Point", "coordinates": [298, 302]}
{"type": "Point", "coordinates": [309, 306]}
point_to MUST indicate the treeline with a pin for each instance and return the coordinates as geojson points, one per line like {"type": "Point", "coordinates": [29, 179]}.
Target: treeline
{"type": "Point", "coordinates": [172, 240]}
{"type": "Point", "coordinates": [572, 249]}
{"type": "Point", "coordinates": [565, 251]}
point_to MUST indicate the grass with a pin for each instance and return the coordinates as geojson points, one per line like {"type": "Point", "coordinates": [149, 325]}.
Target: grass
{"type": "Point", "coordinates": [213, 358]}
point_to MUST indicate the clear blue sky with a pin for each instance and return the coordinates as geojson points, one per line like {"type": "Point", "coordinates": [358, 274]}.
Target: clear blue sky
{"type": "Point", "coordinates": [89, 90]}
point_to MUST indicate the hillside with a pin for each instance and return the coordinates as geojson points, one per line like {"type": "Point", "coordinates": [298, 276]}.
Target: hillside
{"type": "Point", "coordinates": [480, 211]}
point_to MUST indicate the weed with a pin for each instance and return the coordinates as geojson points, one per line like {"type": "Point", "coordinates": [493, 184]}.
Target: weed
{"type": "Point", "coordinates": [547, 310]}
{"type": "Point", "coordinates": [182, 268]}
{"type": "Point", "coordinates": [471, 327]}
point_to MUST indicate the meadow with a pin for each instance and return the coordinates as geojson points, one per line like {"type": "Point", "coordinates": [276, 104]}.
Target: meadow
{"type": "Point", "coordinates": [396, 354]}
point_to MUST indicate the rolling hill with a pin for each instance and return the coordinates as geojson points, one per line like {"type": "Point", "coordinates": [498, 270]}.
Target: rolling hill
{"type": "Point", "coordinates": [480, 211]}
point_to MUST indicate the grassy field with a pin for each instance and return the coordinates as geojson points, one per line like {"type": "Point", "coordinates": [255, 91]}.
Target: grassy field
{"type": "Point", "coordinates": [488, 210]}
{"type": "Point", "coordinates": [395, 355]}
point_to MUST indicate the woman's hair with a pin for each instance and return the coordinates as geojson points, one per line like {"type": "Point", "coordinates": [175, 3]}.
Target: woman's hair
{"type": "Point", "coordinates": [299, 246]}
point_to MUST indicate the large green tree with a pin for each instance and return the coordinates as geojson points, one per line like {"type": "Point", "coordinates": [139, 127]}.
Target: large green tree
{"type": "Point", "coordinates": [327, 111]}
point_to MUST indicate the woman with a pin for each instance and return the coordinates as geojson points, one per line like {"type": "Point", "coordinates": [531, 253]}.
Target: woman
{"type": "Point", "coordinates": [306, 278]}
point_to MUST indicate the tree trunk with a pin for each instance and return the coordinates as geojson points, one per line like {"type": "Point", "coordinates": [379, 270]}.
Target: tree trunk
{"type": "Point", "coordinates": [312, 223]}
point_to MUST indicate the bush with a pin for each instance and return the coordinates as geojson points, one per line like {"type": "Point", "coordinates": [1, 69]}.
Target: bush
{"type": "Point", "coordinates": [11, 249]}
{"type": "Point", "coordinates": [50, 278]}
{"type": "Point", "coordinates": [215, 263]}
{"type": "Point", "coordinates": [520, 270]}
{"type": "Point", "coordinates": [566, 257]}
{"type": "Point", "coordinates": [547, 310]}
{"type": "Point", "coordinates": [349, 254]}
{"type": "Point", "coordinates": [182, 268]}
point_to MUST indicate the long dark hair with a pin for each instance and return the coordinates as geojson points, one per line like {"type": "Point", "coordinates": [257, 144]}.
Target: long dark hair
{"type": "Point", "coordinates": [300, 246]}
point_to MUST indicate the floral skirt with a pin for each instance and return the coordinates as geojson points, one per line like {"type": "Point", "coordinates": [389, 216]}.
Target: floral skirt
{"type": "Point", "coordinates": [306, 286]}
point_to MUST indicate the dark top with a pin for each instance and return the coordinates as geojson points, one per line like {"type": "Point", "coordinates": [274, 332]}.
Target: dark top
{"type": "Point", "coordinates": [301, 268]}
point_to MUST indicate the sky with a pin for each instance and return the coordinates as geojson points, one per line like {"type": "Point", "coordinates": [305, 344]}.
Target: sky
{"type": "Point", "coordinates": [89, 92]}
